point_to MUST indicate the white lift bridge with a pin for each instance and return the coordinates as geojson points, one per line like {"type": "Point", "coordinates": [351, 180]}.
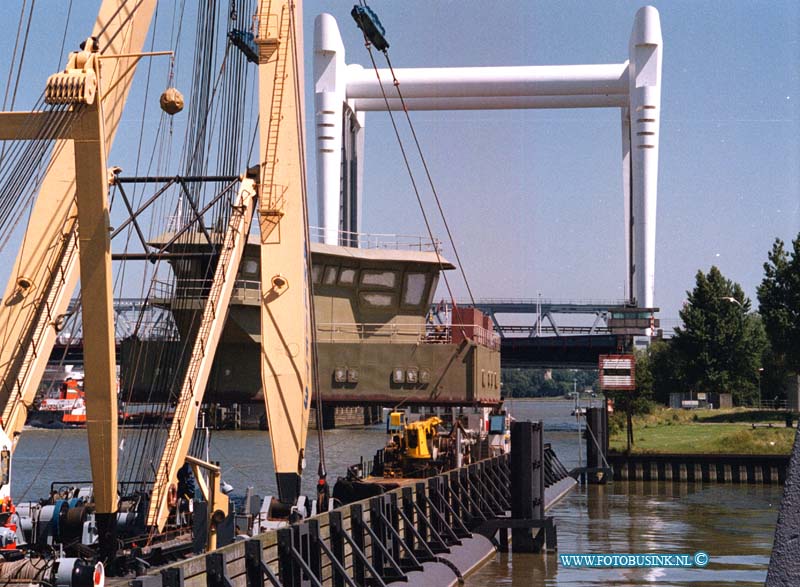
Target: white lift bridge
{"type": "Point", "coordinates": [344, 93]}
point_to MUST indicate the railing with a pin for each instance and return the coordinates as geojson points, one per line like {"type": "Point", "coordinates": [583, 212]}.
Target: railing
{"type": "Point", "coordinates": [404, 333]}
{"type": "Point", "coordinates": [382, 333]}
{"type": "Point", "coordinates": [378, 540]}
{"type": "Point", "coordinates": [363, 240]}
{"type": "Point", "coordinates": [243, 289]}
{"type": "Point", "coordinates": [265, 26]}
{"type": "Point", "coordinates": [375, 541]}
{"type": "Point", "coordinates": [769, 404]}
{"type": "Point", "coordinates": [549, 302]}
{"type": "Point", "coordinates": [131, 317]}
{"type": "Point", "coordinates": [508, 329]}
{"type": "Point", "coordinates": [481, 335]}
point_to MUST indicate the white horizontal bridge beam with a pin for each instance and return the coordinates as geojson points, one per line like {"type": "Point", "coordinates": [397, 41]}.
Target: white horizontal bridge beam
{"type": "Point", "coordinates": [477, 82]}
{"type": "Point", "coordinates": [493, 103]}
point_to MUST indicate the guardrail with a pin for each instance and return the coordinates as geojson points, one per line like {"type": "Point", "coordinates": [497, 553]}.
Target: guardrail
{"type": "Point", "coordinates": [382, 333]}
{"type": "Point", "coordinates": [404, 333]}
{"type": "Point", "coordinates": [506, 329]}
{"type": "Point", "coordinates": [483, 336]}
{"type": "Point", "coordinates": [769, 404]}
{"type": "Point", "coordinates": [364, 240]}
{"type": "Point", "coordinates": [243, 289]}
{"type": "Point", "coordinates": [611, 303]}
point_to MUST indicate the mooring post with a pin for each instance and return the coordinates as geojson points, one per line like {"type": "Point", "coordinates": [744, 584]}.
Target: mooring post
{"type": "Point", "coordinates": [337, 543]}
{"type": "Point", "coordinates": [596, 444]}
{"type": "Point", "coordinates": [357, 531]}
{"type": "Point", "coordinates": [172, 577]}
{"type": "Point", "coordinates": [253, 555]}
{"type": "Point", "coordinates": [216, 570]}
{"type": "Point", "coordinates": [200, 526]}
{"type": "Point", "coordinates": [289, 573]}
{"type": "Point", "coordinates": [527, 491]}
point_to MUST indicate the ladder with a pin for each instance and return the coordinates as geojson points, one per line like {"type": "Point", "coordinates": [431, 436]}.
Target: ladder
{"type": "Point", "coordinates": [203, 350]}
{"type": "Point", "coordinates": [273, 196]}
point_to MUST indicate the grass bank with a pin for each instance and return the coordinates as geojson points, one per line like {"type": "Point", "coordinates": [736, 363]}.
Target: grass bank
{"type": "Point", "coordinates": [706, 432]}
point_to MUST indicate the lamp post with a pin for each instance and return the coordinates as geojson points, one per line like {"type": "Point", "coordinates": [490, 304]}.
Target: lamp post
{"type": "Point", "coordinates": [760, 371]}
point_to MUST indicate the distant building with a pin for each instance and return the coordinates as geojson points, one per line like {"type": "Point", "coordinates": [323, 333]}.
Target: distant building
{"type": "Point", "coordinates": [700, 400]}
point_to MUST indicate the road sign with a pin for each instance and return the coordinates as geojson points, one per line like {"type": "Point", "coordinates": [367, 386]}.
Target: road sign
{"type": "Point", "coordinates": [617, 372]}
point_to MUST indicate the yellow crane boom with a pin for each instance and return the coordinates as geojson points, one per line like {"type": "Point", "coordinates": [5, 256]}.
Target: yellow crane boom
{"type": "Point", "coordinates": [286, 337]}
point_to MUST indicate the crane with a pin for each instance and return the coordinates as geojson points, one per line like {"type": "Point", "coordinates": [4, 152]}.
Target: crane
{"type": "Point", "coordinates": [91, 98]}
{"type": "Point", "coordinates": [279, 190]}
{"type": "Point", "coordinates": [68, 238]}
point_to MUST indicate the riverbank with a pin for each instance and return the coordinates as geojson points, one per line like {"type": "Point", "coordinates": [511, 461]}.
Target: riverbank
{"type": "Point", "coordinates": [708, 432]}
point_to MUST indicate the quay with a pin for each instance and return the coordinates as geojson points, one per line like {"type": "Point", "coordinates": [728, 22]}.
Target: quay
{"type": "Point", "coordinates": [430, 531]}
{"type": "Point", "coordinates": [700, 468]}
{"type": "Point", "coordinates": [674, 467]}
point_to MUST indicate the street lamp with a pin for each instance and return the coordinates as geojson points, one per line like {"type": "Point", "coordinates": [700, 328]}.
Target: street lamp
{"type": "Point", "coordinates": [760, 371]}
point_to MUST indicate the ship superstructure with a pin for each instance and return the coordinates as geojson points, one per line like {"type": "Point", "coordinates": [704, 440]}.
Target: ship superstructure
{"type": "Point", "coordinates": [379, 337]}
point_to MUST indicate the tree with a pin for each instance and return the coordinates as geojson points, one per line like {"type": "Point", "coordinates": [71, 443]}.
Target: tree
{"type": "Point", "coordinates": [720, 342]}
{"type": "Point", "coordinates": [667, 368]}
{"type": "Point", "coordinates": [779, 306]}
{"type": "Point", "coordinates": [528, 382]}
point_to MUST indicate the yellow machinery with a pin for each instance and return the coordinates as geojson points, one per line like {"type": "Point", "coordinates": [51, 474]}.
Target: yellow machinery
{"type": "Point", "coordinates": [419, 438]}
{"type": "Point", "coordinates": [413, 450]}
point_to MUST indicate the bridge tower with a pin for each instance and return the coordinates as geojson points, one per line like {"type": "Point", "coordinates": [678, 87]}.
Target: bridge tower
{"type": "Point", "coordinates": [344, 93]}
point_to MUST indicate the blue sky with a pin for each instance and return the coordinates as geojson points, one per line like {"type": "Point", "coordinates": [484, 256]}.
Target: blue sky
{"type": "Point", "coordinates": [535, 197]}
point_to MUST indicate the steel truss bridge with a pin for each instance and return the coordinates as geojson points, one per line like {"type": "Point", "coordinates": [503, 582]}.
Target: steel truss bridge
{"type": "Point", "coordinates": [569, 333]}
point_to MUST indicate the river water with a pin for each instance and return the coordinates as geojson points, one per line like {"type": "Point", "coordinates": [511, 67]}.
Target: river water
{"type": "Point", "coordinates": [734, 524]}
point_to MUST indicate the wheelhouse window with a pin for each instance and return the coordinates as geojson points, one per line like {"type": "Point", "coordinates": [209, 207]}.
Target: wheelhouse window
{"type": "Point", "coordinates": [330, 275]}
{"type": "Point", "coordinates": [250, 268]}
{"type": "Point", "coordinates": [347, 276]}
{"type": "Point", "coordinates": [414, 288]}
{"type": "Point", "coordinates": [432, 290]}
{"type": "Point", "coordinates": [377, 300]}
{"type": "Point", "coordinates": [316, 273]}
{"type": "Point", "coordinates": [386, 279]}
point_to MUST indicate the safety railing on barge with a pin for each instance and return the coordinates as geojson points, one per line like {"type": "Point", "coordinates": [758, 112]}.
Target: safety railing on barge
{"type": "Point", "coordinates": [371, 542]}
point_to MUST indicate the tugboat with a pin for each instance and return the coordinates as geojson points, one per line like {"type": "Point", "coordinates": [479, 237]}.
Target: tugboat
{"type": "Point", "coordinates": [67, 409]}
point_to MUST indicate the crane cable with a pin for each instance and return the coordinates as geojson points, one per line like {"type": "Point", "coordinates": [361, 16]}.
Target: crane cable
{"type": "Point", "coordinates": [396, 84]}
{"type": "Point", "coordinates": [435, 193]}
{"type": "Point", "coordinates": [407, 163]}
